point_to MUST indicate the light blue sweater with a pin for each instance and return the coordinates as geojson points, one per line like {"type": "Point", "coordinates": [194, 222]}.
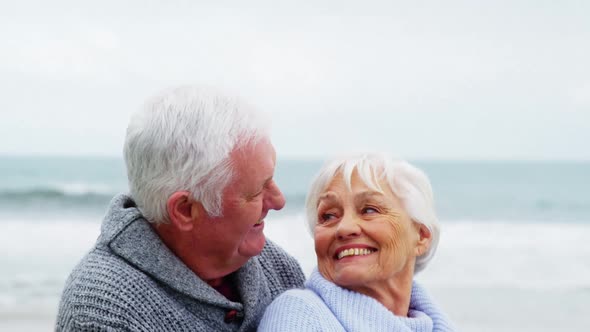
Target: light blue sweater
{"type": "Point", "coordinates": [324, 306]}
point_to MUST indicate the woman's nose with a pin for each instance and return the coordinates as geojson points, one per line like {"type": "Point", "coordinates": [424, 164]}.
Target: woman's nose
{"type": "Point", "coordinates": [348, 227]}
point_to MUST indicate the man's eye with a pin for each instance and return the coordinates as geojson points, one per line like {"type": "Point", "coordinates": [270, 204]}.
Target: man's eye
{"type": "Point", "coordinates": [254, 196]}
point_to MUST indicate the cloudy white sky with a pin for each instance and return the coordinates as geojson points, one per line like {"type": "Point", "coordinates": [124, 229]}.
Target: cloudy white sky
{"type": "Point", "coordinates": [420, 79]}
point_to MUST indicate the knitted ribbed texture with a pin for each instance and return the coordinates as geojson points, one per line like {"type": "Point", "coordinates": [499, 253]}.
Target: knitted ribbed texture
{"type": "Point", "coordinates": [130, 281]}
{"type": "Point", "coordinates": [324, 306]}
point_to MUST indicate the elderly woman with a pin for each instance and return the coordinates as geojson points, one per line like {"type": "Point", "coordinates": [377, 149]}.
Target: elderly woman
{"type": "Point", "coordinates": [374, 227]}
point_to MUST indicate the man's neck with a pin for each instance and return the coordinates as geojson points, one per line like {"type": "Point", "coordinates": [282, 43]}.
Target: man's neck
{"type": "Point", "coordinates": [214, 282]}
{"type": "Point", "coordinates": [182, 245]}
{"type": "Point", "coordinates": [226, 287]}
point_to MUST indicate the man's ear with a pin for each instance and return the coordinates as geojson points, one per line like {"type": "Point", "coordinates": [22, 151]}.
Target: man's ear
{"type": "Point", "coordinates": [424, 240]}
{"type": "Point", "coordinates": [182, 210]}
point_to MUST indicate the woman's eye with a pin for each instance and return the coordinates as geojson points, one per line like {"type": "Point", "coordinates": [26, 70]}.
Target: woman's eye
{"type": "Point", "coordinates": [369, 210]}
{"type": "Point", "coordinates": [326, 217]}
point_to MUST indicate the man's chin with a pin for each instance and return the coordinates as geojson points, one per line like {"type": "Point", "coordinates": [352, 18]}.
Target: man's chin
{"type": "Point", "coordinates": [252, 247]}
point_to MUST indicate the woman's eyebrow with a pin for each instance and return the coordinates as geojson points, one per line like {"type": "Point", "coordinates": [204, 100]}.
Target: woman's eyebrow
{"type": "Point", "coordinates": [328, 197]}
{"type": "Point", "coordinates": [366, 195]}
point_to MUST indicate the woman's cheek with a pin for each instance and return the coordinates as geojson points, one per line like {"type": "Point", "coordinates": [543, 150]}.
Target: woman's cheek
{"type": "Point", "coordinates": [322, 247]}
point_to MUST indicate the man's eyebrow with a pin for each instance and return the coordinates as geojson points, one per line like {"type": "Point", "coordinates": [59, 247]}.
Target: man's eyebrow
{"type": "Point", "coordinates": [265, 183]}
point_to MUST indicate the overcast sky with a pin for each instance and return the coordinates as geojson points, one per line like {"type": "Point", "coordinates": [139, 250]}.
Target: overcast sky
{"type": "Point", "coordinates": [419, 79]}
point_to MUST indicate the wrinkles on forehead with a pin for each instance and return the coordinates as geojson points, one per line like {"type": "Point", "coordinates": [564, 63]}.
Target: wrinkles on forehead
{"type": "Point", "coordinates": [369, 195]}
{"type": "Point", "coordinates": [331, 197]}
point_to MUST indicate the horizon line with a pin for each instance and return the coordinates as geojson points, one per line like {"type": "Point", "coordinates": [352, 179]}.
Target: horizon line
{"type": "Point", "coordinates": [305, 158]}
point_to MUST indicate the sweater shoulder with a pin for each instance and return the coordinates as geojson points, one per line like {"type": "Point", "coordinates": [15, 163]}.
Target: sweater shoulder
{"type": "Point", "coordinates": [105, 293]}
{"type": "Point", "coordinates": [280, 268]}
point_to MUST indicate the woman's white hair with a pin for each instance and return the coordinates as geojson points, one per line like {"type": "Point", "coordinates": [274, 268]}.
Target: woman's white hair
{"type": "Point", "coordinates": [182, 140]}
{"type": "Point", "coordinates": [407, 182]}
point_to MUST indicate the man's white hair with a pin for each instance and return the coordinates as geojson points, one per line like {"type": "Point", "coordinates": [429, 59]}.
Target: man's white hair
{"type": "Point", "coordinates": [407, 182]}
{"type": "Point", "coordinates": [182, 140]}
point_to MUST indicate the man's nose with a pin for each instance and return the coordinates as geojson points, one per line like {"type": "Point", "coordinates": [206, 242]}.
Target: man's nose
{"type": "Point", "coordinates": [275, 198]}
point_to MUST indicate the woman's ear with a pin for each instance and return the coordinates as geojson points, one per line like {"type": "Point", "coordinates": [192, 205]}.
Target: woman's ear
{"type": "Point", "coordinates": [182, 211]}
{"type": "Point", "coordinates": [424, 240]}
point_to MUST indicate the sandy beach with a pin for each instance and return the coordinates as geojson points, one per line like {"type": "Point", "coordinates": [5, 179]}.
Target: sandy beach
{"type": "Point", "coordinates": [505, 292]}
{"type": "Point", "coordinates": [485, 310]}
{"type": "Point", "coordinates": [31, 319]}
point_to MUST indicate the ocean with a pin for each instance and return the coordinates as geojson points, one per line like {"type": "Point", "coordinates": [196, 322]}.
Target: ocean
{"type": "Point", "coordinates": [514, 253]}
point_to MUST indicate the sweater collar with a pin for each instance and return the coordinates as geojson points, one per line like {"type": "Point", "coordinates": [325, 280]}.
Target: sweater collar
{"type": "Point", "coordinates": [352, 309]}
{"type": "Point", "coordinates": [131, 237]}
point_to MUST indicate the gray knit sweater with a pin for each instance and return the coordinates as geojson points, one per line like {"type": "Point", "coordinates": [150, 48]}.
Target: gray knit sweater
{"type": "Point", "coordinates": [130, 281]}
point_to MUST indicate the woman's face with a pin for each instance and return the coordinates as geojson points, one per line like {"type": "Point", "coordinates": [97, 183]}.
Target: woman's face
{"type": "Point", "coordinates": [364, 238]}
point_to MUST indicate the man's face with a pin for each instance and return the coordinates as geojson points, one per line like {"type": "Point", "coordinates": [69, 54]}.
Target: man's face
{"type": "Point", "coordinates": [226, 243]}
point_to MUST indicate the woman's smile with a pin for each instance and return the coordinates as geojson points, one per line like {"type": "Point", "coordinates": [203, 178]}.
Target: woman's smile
{"type": "Point", "coordinates": [350, 251]}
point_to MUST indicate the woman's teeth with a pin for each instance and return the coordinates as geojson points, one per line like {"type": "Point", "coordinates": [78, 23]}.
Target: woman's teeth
{"type": "Point", "coordinates": [355, 252]}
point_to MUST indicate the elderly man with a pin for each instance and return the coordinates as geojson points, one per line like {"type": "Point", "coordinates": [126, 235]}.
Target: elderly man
{"type": "Point", "coordinates": [185, 251]}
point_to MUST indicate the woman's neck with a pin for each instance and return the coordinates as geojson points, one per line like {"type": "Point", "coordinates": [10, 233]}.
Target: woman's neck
{"type": "Point", "coordinates": [393, 293]}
